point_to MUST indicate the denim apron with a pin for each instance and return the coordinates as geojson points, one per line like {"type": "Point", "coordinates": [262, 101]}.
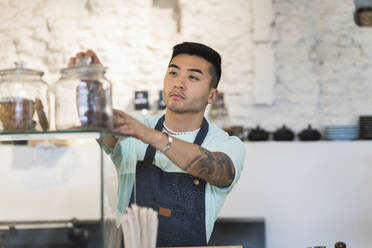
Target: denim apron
{"type": "Point", "coordinates": [179, 198]}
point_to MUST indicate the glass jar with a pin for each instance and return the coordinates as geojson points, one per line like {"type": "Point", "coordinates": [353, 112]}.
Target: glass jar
{"type": "Point", "coordinates": [218, 113]}
{"type": "Point", "coordinates": [22, 93]}
{"type": "Point", "coordinates": [83, 98]}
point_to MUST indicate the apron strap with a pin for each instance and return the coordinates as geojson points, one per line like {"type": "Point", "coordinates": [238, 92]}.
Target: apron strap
{"type": "Point", "coordinates": [150, 151]}
{"type": "Point", "coordinates": [202, 132]}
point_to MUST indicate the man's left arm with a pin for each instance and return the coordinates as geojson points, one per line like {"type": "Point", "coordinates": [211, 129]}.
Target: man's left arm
{"type": "Point", "coordinates": [214, 167]}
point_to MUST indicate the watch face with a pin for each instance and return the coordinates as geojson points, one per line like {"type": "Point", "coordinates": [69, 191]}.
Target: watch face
{"type": "Point", "coordinates": [167, 146]}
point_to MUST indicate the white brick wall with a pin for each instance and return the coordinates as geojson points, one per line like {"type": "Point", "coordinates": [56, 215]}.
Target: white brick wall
{"type": "Point", "coordinates": [323, 60]}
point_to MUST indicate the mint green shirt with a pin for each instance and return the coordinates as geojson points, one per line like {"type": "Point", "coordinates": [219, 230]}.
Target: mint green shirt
{"type": "Point", "coordinates": [128, 151]}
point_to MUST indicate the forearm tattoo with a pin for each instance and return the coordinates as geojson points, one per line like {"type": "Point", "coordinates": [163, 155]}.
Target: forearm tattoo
{"type": "Point", "coordinates": [214, 167]}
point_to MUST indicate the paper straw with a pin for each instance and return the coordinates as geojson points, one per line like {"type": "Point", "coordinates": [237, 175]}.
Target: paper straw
{"type": "Point", "coordinates": [136, 224]}
{"type": "Point", "coordinates": [126, 231]}
{"type": "Point", "coordinates": [139, 227]}
{"type": "Point", "coordinates": [145, 233]}
{"type": "Point", "coordinates": [154, 227]}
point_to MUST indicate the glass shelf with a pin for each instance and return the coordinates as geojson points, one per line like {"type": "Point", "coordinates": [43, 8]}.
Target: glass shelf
{"type": "Point", "coordinates": [56, 135]}
{"type": "Point", "coordinates": [54, 182]}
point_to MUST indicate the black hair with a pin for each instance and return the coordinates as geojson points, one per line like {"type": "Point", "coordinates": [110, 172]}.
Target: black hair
{"type": "Point", "coordinates": [205, 52]}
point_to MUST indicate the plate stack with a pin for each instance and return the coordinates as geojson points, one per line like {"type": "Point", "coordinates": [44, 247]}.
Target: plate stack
{"type": "Point", "coordinates": [341, 132]}
{"type": "Point", "coordinates": [365, 127]}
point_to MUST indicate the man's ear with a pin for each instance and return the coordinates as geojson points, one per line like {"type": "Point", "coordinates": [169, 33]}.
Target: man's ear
{"type": "Point", "coordinates": [213, 94]}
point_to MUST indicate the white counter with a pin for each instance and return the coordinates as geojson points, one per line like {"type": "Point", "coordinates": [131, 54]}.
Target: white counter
{"type": "Point", "coordinates": [309, 194]}
{"type": "Point", "coordinates": [45, 182]}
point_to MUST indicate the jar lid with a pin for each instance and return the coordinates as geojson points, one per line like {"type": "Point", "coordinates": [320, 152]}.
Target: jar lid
{"type": "Point", "coordinates": [84, 64]}
{"type": "Point", "coordinates": [20, 70]}
{"type": "Point", "coordinates": [84, 68]}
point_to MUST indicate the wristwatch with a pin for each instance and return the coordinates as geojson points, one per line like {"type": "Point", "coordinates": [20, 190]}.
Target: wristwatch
{"type": "Point", "coordinates": [167, 146]}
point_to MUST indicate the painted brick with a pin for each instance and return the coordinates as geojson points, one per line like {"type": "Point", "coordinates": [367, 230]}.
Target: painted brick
{"type": "Point", "coordinates": [323, 61]}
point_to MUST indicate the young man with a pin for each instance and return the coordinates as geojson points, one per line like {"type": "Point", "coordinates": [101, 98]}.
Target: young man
{"type": "Point", "coordinates": [184, 166]}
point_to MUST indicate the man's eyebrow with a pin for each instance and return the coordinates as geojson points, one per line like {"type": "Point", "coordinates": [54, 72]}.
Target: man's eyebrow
{"type": "Point", "coordinates": [195, 70]}
{"type": "Point", "coordinates": [192, 69]}
{"type": "Point", "coordinates": [173, 65]}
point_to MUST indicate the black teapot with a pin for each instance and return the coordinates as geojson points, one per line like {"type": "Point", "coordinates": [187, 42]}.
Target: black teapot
{"type": "Point", "coordinates": [309, 134]}
{"type": "Point", "coordinates": [258, 134]}
{"type": "Point", "coordinates": [284, 134]}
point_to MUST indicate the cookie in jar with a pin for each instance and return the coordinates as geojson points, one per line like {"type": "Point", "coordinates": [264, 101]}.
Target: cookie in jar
{"type": "Point", "coordinates": [24, 100]}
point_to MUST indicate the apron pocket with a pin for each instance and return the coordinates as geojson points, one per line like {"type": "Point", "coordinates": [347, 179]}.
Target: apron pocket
{"type": "Point", "coordinates": [177, 226]}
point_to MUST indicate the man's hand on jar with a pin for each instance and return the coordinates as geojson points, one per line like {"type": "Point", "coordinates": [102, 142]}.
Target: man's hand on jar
{"type": "Point", "coordinates": [89, 55]}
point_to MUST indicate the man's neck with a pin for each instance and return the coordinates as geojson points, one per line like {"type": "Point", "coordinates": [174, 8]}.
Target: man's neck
{"type": "Point", "coordinates": [183, 122]}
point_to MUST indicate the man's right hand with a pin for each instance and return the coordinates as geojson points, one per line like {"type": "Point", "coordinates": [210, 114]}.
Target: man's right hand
{"type": "Point", "coordinates": [130, 126]}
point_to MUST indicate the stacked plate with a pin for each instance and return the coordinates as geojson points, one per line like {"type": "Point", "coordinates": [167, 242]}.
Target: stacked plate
{"type": "Point", "coordinates": [365, 127]}
{"type": "Point", "coordinates": [341, 132]}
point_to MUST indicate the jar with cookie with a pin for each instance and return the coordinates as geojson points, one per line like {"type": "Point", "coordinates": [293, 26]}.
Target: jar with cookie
{"type": "Point", "coordinates": [24, 100]}
{"type": "Point", "coordinates": [83, 97]}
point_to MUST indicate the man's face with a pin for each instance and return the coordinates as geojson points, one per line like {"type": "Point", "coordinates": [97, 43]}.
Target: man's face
{"type": "Point", "coordinates": [187, 84]}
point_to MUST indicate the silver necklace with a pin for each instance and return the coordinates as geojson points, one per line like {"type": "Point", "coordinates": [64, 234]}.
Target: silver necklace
{"type": "Point", "coordinates": [170, 131]}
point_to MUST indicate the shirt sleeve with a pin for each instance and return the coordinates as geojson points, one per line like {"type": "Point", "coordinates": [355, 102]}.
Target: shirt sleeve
{"type": "Point", "coordinates": [215, 196]}
{"type": "Point", "coordinates": [110, 150]}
